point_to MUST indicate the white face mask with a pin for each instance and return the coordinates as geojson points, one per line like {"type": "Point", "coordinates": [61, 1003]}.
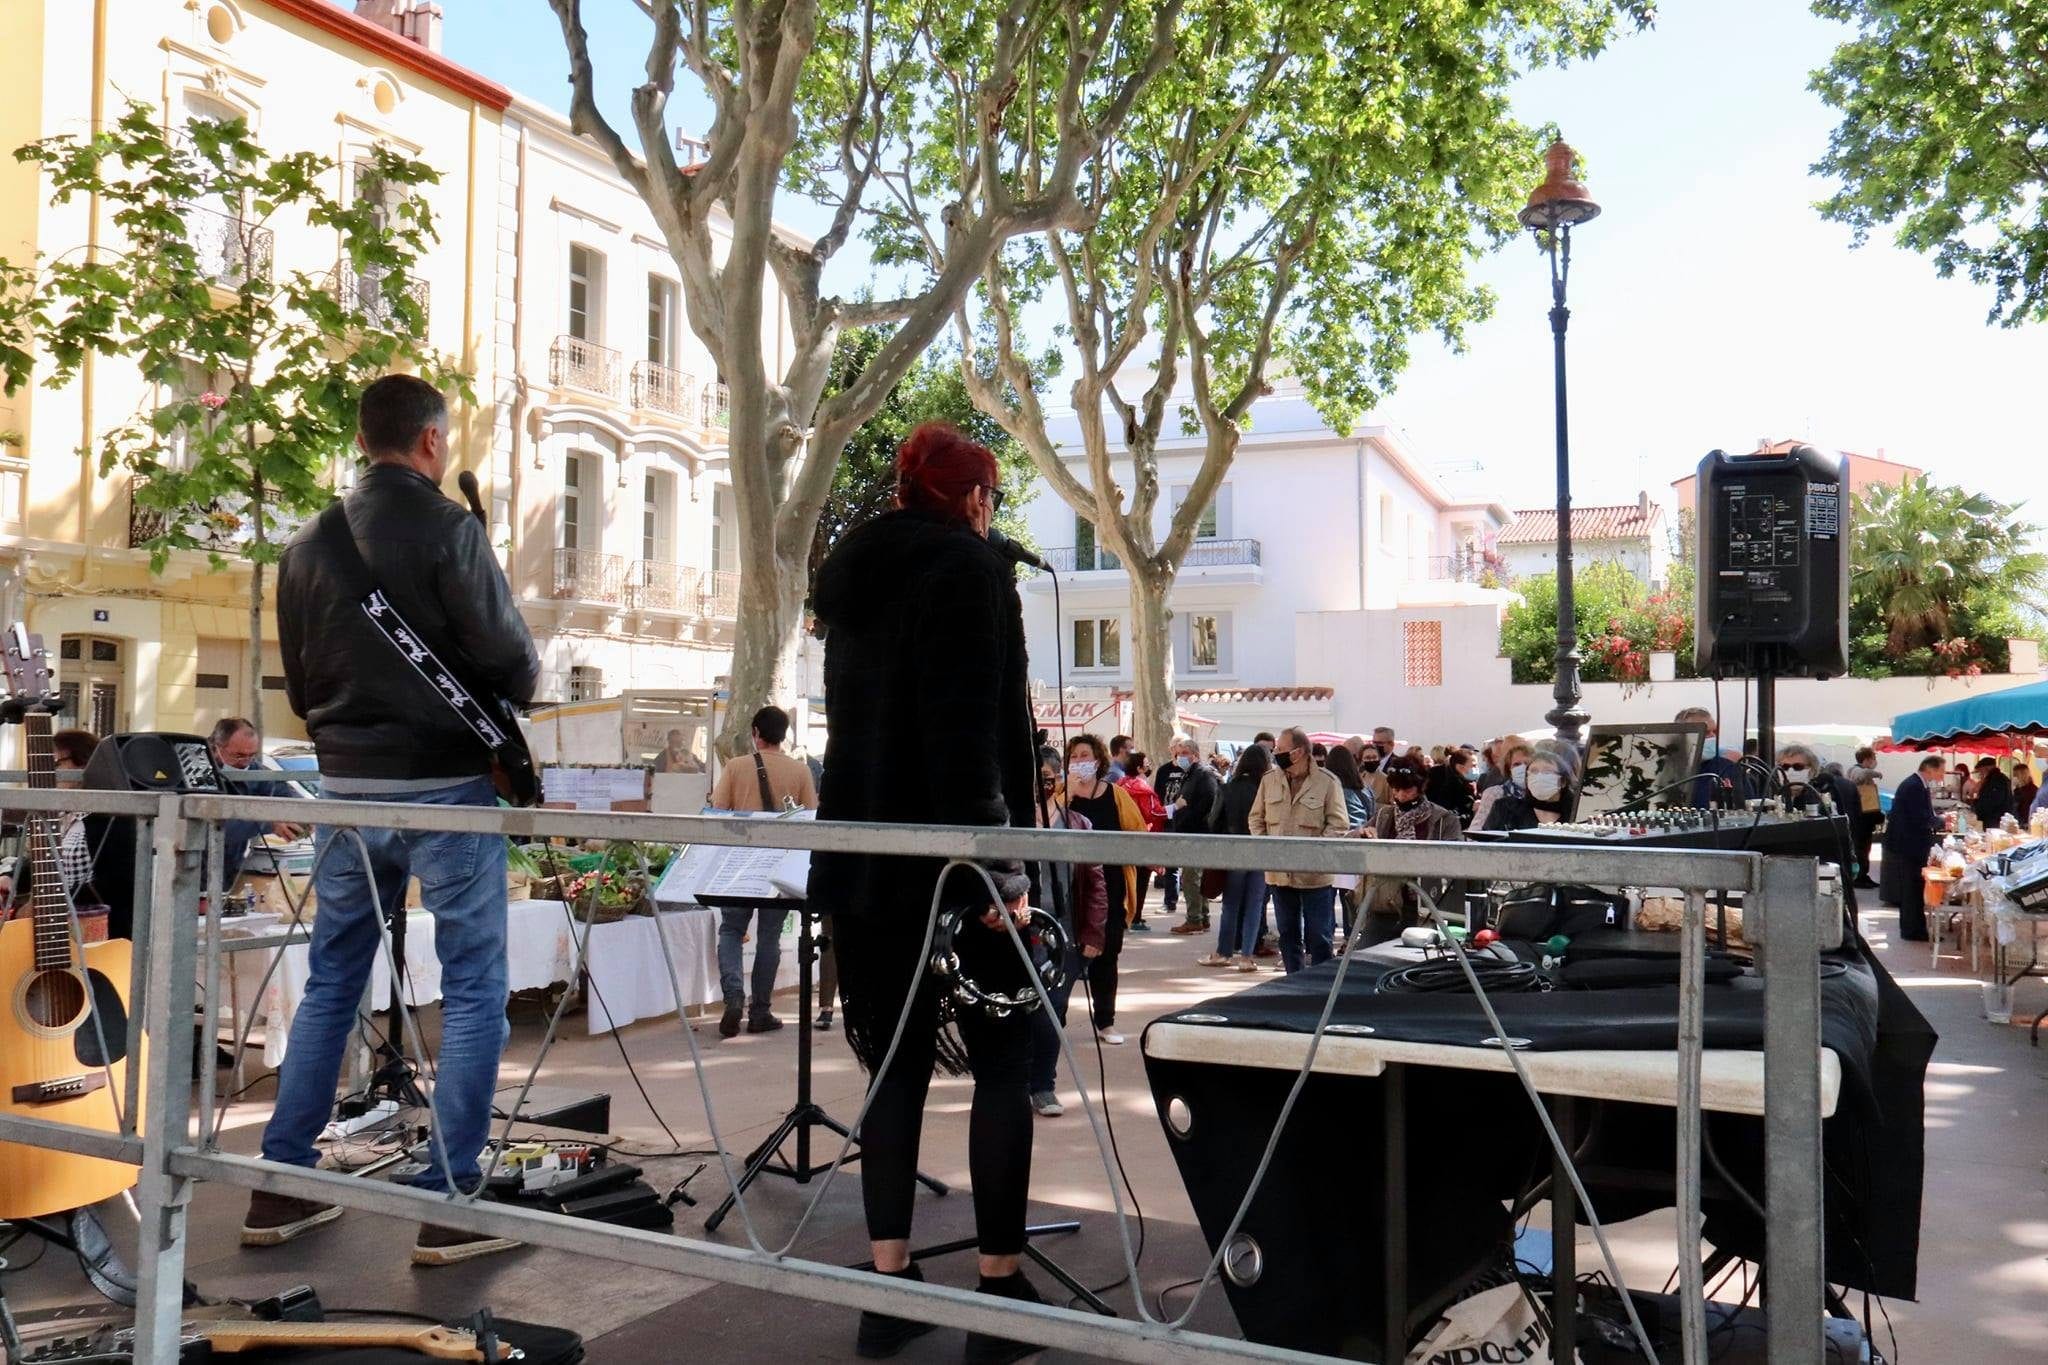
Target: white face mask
{"type": "Point", "coordinates": [1545, 786]}
{"type": "Point", "coordinates": [1521, 775]}
{"type": "Point", "coordinates": [1082, 771]}
{"type": "Point", "coordinates": [1798, 777]}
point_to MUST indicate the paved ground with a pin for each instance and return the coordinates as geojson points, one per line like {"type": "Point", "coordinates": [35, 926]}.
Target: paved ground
{"type": "Point", "coordinates": [1984, 1263]}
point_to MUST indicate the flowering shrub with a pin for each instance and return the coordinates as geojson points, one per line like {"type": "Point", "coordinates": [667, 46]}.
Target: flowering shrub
{"type": "Point", "coordinates": [1621, 623]}
{"type": "Point", "coordinates": [607, 888]}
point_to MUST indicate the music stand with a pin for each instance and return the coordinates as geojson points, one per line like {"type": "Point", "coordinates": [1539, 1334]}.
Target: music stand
{"type": "Point", "coordinates": [805, 1114]}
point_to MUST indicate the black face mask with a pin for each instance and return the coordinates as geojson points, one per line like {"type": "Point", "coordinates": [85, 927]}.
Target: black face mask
{"type": "Point", "coordinates": [1371, 765]}
{"type": "Point", "coordinates": [1285, 760]}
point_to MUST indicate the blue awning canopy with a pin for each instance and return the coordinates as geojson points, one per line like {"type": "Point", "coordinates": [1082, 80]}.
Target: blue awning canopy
{"type": "Point", "coordinates": [2015, 711]}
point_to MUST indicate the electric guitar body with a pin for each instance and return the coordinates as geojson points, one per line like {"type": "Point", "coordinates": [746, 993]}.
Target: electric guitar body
{"type": "Point", "coordinates": [63, 1004]}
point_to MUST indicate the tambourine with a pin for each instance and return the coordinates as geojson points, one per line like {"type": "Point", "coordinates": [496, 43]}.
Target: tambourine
{"type": "Point", "coordinates": [1044, 936]}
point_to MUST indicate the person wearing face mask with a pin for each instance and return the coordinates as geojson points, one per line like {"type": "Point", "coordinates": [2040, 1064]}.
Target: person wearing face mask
{"type": "Point", "coordinates": [1302, 801]}
{"type": "Point", "coordinates": [1370, 758]}
{"type": "Point", "coordinates": [1075, 896]}
{"type": "Point", "coordinates": [1514, 781]}
{"type": "Point", "coordinates": [1721, 781]}
{"type": "Point", "coordinates": [1539, 791]}
{"type": "Point", "coordinates": [1391, 904]}
{"type": "Point", "coordinates": [1194, 791]}
{"type": "Point", "coordinates": [1808, 786]}
{"type": "Point", "coordinates": [1106, 805]}
{"type": "Point", "coordinates": [1869, 812]}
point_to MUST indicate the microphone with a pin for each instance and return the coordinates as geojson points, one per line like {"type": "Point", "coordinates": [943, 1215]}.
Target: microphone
{"type": "Point", "coordinates": [1008, 549]}
{"type": "Point", "coordinates": [466, 481]}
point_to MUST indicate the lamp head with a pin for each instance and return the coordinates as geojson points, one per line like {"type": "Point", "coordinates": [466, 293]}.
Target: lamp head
{"type": "Point", "coordinates": [1560, 201]}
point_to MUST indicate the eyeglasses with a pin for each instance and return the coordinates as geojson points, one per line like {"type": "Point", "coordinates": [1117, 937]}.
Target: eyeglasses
{"type": "Point", "coordinates": [995, 497]}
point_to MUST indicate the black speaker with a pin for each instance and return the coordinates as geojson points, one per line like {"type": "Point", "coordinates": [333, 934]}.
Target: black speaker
{"type": "Point", "coordinates": [1773, 587]}
{"type": "Point", "coordinates": [153, 762]}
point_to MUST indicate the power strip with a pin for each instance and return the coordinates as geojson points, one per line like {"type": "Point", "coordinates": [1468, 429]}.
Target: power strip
{"type": "Point", "coordinates": [375, 1117]}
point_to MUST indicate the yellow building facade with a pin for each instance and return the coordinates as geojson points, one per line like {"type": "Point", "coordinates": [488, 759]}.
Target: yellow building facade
{"type": "Point", "coordinates": [141, 651]}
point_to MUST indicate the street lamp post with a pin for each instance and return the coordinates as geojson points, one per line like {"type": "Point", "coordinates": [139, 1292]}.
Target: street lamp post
{"type": "Point", "coordinates": [1555, 207]}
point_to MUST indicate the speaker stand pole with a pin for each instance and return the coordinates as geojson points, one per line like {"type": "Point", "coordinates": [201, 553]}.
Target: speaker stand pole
{"type": "Point", "coordinates": [1763, 664]}
{"type": "Point", "coordinates": [395, 1077]}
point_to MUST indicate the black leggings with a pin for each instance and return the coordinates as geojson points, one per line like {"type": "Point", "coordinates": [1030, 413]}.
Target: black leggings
{"type": "Point", "coordinates": [874, 970]}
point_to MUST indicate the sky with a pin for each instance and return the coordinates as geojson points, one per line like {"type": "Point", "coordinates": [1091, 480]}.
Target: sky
{"type": "Point", "coordinates": [1711, 304]}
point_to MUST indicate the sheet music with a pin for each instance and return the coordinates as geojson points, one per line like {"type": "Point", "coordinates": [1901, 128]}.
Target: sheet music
{"type": "Point", "coordinates": [593, 788]}
{"type": "Point", "coordinates": [749, 873]}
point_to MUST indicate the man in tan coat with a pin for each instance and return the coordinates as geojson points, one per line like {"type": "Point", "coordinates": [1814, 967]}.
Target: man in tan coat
{"type": "Point", "coordinates": [1298, 799]}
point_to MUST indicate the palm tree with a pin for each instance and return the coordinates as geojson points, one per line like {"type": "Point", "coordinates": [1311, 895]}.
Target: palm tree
{"type": "Point", "coordinates": [1919, 549]}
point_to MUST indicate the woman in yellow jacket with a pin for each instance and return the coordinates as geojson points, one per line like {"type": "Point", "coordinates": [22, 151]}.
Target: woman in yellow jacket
{"type": "Point", "coordinates": [1107, 806]}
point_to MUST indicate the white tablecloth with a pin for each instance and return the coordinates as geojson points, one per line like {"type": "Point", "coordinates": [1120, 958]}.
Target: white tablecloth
{"type": "Point", "coordinates": [538, 952]}
{"type": "Point", "coordinates": [625, 971]}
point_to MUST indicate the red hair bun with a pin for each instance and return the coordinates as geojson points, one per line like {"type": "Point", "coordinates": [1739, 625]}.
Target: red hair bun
{"type": "Point", "coordinates": [936, 467]}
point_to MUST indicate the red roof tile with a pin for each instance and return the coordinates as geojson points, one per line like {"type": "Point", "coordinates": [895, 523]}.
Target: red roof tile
{"type": "Point", "coordinates": [1261, 695]}
{"type": "Point", "coordinates": [1538, 526]}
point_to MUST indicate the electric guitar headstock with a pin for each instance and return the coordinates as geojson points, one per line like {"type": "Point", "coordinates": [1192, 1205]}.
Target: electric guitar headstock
{"type": "Point", "coordinates": [30, 686]}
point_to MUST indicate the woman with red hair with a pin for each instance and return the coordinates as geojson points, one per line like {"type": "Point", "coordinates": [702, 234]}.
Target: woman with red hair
{"type": "Point", "coordinates": [924, 655]}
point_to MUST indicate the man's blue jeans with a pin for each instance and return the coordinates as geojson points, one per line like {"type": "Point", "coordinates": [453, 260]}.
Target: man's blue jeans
{"type": "Point", "coordinates": [732, 929]}
{"type": "Point", "coordinates": [462, 885]}
{"type": "Point", "coordinates": [1308, 913]}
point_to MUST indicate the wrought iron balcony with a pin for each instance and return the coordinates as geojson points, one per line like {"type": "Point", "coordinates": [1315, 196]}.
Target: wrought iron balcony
{"type": "Point", "coordinates": [721, 595]}
{"type": "Point", "coordinates": [717, 406]}
{"type": "Point", "coordinates": [1210, 554]}
{"type": "Point", "coordinates": [585, 365]}
{"type": "Point", "coordinates": [589, 576]}
{"type": "Point", "coordinates": [222, 525]}
{"type": "Point", "coordinates": [231, 250]}
{"type": "Point", "coordinates": [369, 293]}
{"type": "Point", "coordinates": [1080, 559]}
{"type": "Point", "coordinates": [658, 388]}
{"type": "Point", "coordinates": [657, 586]}
{"type": "Point", "coordinates": [1466, 566]}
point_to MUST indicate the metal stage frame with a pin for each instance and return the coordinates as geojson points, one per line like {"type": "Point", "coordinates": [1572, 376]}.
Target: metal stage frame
{"type": "Point", "coordinates": [175, 950]}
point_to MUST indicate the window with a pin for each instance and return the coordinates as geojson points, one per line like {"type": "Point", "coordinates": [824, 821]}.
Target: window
{"type": "Point", "coordinates": [206, 387]}
{"type": "Point", "coordinates": [1086, 556]}
{"type": "Point", "coordinates": [212, 682]}
{"type": "Point", "coordinates": [1422, 649]}
{"type": "Point", "coordinates": [1215, 522]}
{"type": "Point", "coordinates": [1098, 642]}
{"type": "Point", "coordinates": [661, 321]}
{"type": "Point", "coordinates": [725, 545]}
{"type": "Point", "coordinates": [572, 503]}
{"type": "Point", "coordinates": [586, 292]}
{"type": "Point", "coordinates": [1387, 545]}
{"type": "Point", "coordinates": [585, 683]}
{"type": "Point", "coordinates": [657, 516]}
{"type": "Point", "coordinates": [1205, 642]}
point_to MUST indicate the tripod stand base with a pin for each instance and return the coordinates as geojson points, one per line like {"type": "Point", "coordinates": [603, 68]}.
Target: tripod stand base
{"type": "Point", "coordinates": [1037, 1257]}
{"type": "Point", "coordinates": [765, 1159]}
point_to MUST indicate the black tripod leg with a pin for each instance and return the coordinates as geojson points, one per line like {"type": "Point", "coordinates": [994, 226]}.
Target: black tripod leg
{"type": "Point", "coordinates": [757, 1161]}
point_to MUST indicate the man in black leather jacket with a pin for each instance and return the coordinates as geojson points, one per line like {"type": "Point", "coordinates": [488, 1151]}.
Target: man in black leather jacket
{"type": "Point", "coordinates": [383, 733]}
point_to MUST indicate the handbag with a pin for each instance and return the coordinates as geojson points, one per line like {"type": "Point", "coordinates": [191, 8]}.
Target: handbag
{"type": "Point", "coordinates": [494, 721]}
{"type": "Point", "coordinates": [1212, 882]}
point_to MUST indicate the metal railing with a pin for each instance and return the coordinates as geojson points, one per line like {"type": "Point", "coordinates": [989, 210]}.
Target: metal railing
{"type": "Point", "coordinates": [1211, 554]}
{"type": "Point", "coordinates": [1081, 559]}
{"type": "Point", "coordinates": [717, 406]}
{"type": "Point", "coordinates": [658, 388]}
{"type": "Point", "coordinates": [585, 365]}
{"type": "Point", "coordinates": [720, 594]}
{"type": "Point", "coordinates": [658, 586]}
{"type": "Point", "coordinates": [589, 576]}
{"type": "Point", "coordinates": [217, 526]}
{"type": "Point", "coordinates": [175, 833]}
{"type": "Point", "coordinates": [371, 293]}
{"type": "Point", "coordinates": [231, 250]}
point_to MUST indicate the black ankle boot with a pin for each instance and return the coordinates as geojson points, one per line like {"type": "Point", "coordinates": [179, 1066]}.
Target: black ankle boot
{"type": "Point", "coordinates": [983, 1349]}
{"type": "Point", "coordinates": [883, 1335]}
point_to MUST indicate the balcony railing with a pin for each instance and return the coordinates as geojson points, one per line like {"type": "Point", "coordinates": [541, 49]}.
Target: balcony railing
{"type": "Point", "coordinates": [365, 292]}
{"type": "Point", "coordinates": [231, 250]}
{"type": "Point", "coordinates": [717, 406]}
{"type": "Point", "coordinates": [589, 576]}
{"type": "Point", "coordinates": [1203, 554]}
{"type": "Point", "coordinates": [660, 389]}
{"type": "Point", "coordinates": [657, 586]}
{"type": "Point", "coordinates": [1080, 559]}
{"type": "Point", "coordinates": [721, 594]}
{"type": "Point", "coordinates": [585, 365]}
{"type": "Point", "coordinates": [223, 525]}
{"type": "Point", "coordinates": [1467, 566]}
{"type": "Point", "coordinates": [1210, 554]}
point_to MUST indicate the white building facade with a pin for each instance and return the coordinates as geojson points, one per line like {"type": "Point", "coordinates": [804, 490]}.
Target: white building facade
{"type": "Point", "coordinates": [1307, 520]}
{"type": "Point", "coordinates": [1635, 535]}
{"type": "Point", "coordinates": [610, 487]}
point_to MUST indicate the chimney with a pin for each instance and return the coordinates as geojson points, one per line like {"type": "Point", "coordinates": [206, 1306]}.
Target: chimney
{"type": "Point", "coordinates": [1643, 504]}
{"type": "Point", "coordinates": [416, 21]}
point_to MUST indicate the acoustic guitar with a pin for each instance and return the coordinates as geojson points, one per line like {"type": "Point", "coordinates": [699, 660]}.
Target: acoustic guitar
{"type": "Point", "coordinates": [63, 1005]}
{"type": "Point", "coordinates": [201, 1340]}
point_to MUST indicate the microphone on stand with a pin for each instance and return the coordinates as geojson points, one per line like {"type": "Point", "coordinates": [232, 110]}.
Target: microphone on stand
{"type": "Point", "coordinates": [466, 481]}
{"type": "Point", "coordinates": [1007, 548]}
